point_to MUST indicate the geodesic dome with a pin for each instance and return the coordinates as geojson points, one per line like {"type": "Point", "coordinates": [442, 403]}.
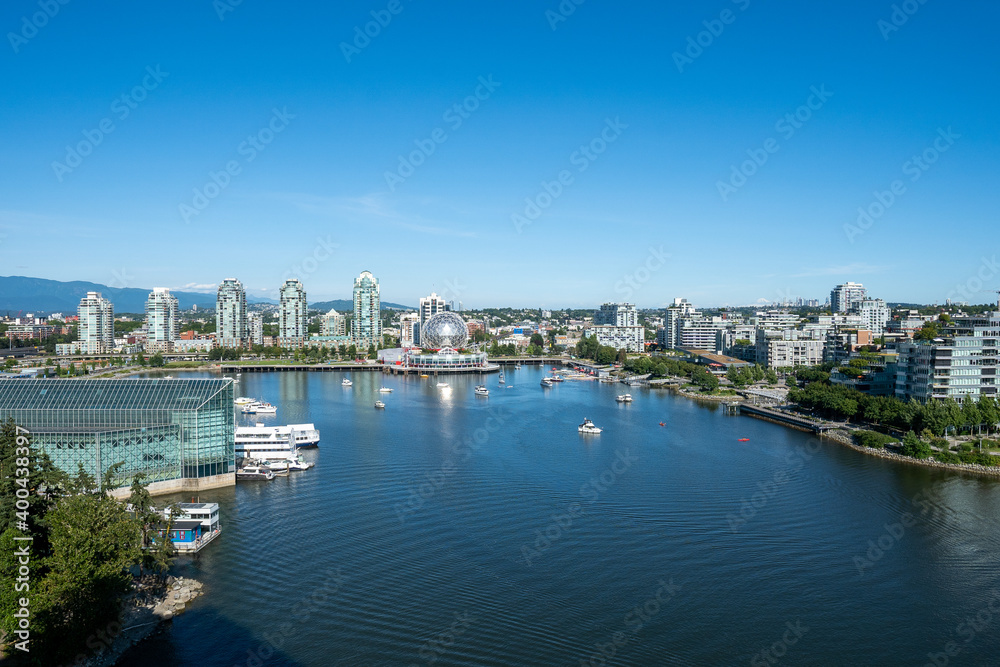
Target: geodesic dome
{"type": "Point", "coordinates": [445, 329]}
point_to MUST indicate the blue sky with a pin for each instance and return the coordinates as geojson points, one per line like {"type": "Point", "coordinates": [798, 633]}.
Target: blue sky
{"type": "Point", "coordinates": [644, 220]}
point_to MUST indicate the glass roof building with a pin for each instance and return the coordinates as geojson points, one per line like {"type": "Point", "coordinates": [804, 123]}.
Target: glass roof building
{"type": "Point", "coordinates": [180, 433]}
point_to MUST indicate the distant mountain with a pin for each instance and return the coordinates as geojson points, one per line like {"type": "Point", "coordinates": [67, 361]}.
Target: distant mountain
{"type": "Point", "coordinates": [38, 295]}
{"type": "Point", "coordinates": [345, 306]}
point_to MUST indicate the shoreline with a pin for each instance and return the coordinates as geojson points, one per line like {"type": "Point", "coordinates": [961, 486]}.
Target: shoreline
{"type": "Point", "coordinates": [843, 437]}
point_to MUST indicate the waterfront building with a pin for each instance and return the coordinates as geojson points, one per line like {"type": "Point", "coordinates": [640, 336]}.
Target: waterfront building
{"type": "Point", "coordinates": [429, 307]}
{"type": "Point", "coordinates": [231, 314]}
{"type": "Point", "coordinates": [843, 297]}
{"type": "Point", "coordinates": [332, 324]}
{"type": "Point", "coordinates": [180, 433]}
{"type": "Point", "coordinates": [878, 378]}
{"type": "Point", "coordinates": [25, 332]}
{"type": "Point", "coordinates": [783, 349]}
{"type": "Point", "coordinates": [409, 329]}
{"type": "Point", "coordinates": [96, 332]}
{"type": "Point", "coordinates": [162, 321]}
{"type": "Point", "coordinates": [366, 327]}
{"type": "Point", "coordinates": [672, 321]}
{"type": "Point", "coordinates": [292, 312]}
{"type": "Point", "coordinates": [446, 360]}
{"type": "Point", "coordinates": [701, 332]}
{"type": "Point", "coordinates": [630, 339]}
{"type": "Point", "coordinates": [617, 314]}
{"type": "Point", "coordinates": [255, 328]}
{"type": "Point", "coordinates": [961, 362]}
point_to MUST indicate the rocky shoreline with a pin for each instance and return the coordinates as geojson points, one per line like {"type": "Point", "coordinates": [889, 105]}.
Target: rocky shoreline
{"type": "Point", "coordinates": [144, 612]}
{"type": "Point", "coordinates": [844, 437]}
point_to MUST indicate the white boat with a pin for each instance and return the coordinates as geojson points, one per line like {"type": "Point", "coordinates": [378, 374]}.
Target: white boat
{"type": "Point", "coordinates": [278, 467]}
{"type": "Point", "coordinates": [254, 472]}
{"type": "Point", "coordinates": [481, 390]}
{"type": "Point", "coordinates": [243, 400]}
{"type": "Point", "coordinates": [502, 380]}
{"type": "Point", "coordinates": [624, 398]}
{"type": "Point", "coordinates": [379, 404]}
{"type": "Point", "coordinates": [300, 464]}
{"type": "Point", "coordinates": [546, 382]}
{"type": "Point", "coordinates": [258, 408]}
{"type": "Point", "coordinates": [347, 382]}
{"type": "Point", "coordinates": [384, 390]}
{"type": "Point", "coordinates": [303, 435]}
{"type": "Point", "coordinates": [443, 385]}
{"type": "Point", "coordinates": [588, 427]}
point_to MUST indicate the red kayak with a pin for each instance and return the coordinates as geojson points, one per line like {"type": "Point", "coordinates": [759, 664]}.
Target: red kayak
{"type": "Point", "coordinates": [662, 424]}
{"type": "Point", "coordinates": [743, 440]}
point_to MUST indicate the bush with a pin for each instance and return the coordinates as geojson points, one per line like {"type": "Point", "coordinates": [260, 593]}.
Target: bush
{"type": "Point", "coordinates": [947, 457]}
{"type": "Point", "coordinates": [873, 439]}
{"type": "Point", "coordinates": [915, 447]}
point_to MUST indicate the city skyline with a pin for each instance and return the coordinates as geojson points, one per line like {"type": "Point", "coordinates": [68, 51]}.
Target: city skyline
{"type": "Point", "coordinates": [679, 158]}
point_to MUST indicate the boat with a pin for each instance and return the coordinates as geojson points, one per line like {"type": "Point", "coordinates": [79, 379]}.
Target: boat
{"type": "Point", "coordinates": [502, 378]}
{"type": "Point", "coordinates": [254, 473]}
{"type": "Point", "coordinates": [624, 398]}
{"type": "Point", "coordinates": [384, 390]}
{"type": "Point", "coordinates": [243, 400]}
{"type": "Point", "coordinates": [588, 427]}
{"type": "Point", "coordinates": [743, 440]}
{"type": "Point", "coordinates": [481, 390]}
{"type": "Point", "coordinates": [546, 382]}
{"type": "Point", "coordinates": [557, 378]}
{"type": "Point", "coordinates": [379, 404]}
{"type": "Point", "coordinates": [443, 385]}
{"type": "Point", "coordinates": [662, 424]}
{"type": "Point", "coordinates": [255, 441]}
{"type": "Point", "coordinates": [424, 375]}
{"type": "Point", "coordinates": [347, 382]}
{"type": "Point", "coordinates": [299, 464]}
{"type": "Point", "coordinates": [258, 408]}
{"type": "Point", "coordinates": [278, 467]}
{"type": "Point", "coordinates": [194, 524]}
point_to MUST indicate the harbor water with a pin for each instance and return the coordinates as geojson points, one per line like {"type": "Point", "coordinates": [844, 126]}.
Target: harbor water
{"type": "Point", "coordinates": [451, 529]}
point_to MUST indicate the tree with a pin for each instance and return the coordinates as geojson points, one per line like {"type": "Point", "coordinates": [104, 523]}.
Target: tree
{"type": "Point", "coordinates": [156, 361]}
{"type": "Point", "coordinates": [705, 380]}
{"type": "Point", "coordinates": [371, 351]}
{"type": "Point", "coordinates": [10, 362]}
{"type": "Point", "coordinates": [537, 340]}
{"type": "Point", "coordinates": [606, 354]}
{"type": "Point", "coordinates": [915, 447]}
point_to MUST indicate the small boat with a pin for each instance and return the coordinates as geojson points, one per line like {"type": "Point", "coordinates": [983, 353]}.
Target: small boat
{"type": "Point", "coordinates": [257, 408]}
{"type": "Point", "coordinates": [168, 377]}
{"type": "Point", "coordinates": [553, 368]}
{"type": "Point", "coordinates": [243, 400]}
{"type": "Point", "coordinates": [557, 378]}
{"type": "Point", "coordinates": [379, 404]}
{"type": "Point", "coordinates": [546, 382]}
{"type": "Point", "coordinates": [279, 468]}
{"type": "Point", "coordinates": [424, 375]}
{"type": "Point", "coordinates": [624, 398]}
{"type": "Point", "coordinates": [588, 427]}
{"type": "Point", "coordinates": [662, 424]}
{"type": "Point", "coordinates": [443, 385]}
{"type": "Point", "coordinates": [481, 390]}
{"type": "Point", "coordinates": [253, 473]}
{"type": "Point", "coordinates": [346, 383]}
{"type": "Point", "coordinates": [743, 440]}
{"type": "Point", "coordinates": [300, 464]}
{"type": "Point", "coordinates": [384, 390]}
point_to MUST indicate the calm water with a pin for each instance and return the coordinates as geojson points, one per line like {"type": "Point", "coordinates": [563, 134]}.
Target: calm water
{"type": "Point", "coordinates": [455, 530]}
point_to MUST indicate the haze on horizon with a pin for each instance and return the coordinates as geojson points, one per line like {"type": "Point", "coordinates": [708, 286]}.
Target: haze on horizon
{"type": "Point", "coordinates": [505, 153]}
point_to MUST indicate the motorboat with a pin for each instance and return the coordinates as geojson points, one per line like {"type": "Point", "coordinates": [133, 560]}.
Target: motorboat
{"type": "Point", "coordinates": [258, 408]}
{"type": "Point", "coordinates": [244, 400]}
{"type": "Point", "coordinates": [379, 404]}
{"type": "Point", "coordinates": [624, 398]}
{"type": "Point", "coordinates": [346, 382]}
{"type": "Point", "coordinates": [384, 390]}
{"type": "Point", "coordinates": [299, 464]}
{"type": "Point", "coordinates": [557, 378]}
{"type": "Point", "coordinates": [662, 424]}
{"type": "Point", "coordinates": [588, 427]}
{"type": "Point", "coordinates": [546, 382]}
{"type": "Point", "coordinates": [502, 380]}
{"type": "Point", "coordinates": [481, 390]}
{"type": "Point", "coordinates": [443, 385]}
{"type": "Point", "coordinates": [278, 467]}
{"type": "Point", "coordinates": [254, 473]}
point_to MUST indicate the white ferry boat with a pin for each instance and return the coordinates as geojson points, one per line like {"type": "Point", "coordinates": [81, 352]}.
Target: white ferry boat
{"type": "Point", "coordinates": [273, 443]}
{"type": "Point", "coordinates": [588, 427]}
{"type": "Point", "coordinates": [258, 408]}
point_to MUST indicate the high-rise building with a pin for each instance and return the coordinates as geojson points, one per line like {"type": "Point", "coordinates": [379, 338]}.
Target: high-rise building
{"type": "Point", "coordinates": [409, 329]}
{"type": "Point", "coordinates": [617, 314]}
{"type": "Point", "coordinates": [429, 307]}
{"type": "Point", "coordinates": [333, 324]}
{"type": "Point", "coordinates": [162, 322]}
{"type": "Point", "coordinates": [672, 321]}
{"type": "Point", "coordinates": [231, 314]}
{"type": "Point", "coordinates": [366, 327]}
{"type": "Point", "coordinates": [616, 325]}
{"type": "Point", "coordinates": [96, 331]}
{"type": "Point", "coordinates": [255, 328]}
{"type": "Point", "coordinates": [292, 312]}
{"type": "Point", "coordinates": [843, 297]}
{"type": "Point", "coordinates": [874, 313]}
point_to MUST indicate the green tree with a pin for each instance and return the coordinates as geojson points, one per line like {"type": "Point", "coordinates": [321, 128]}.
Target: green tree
{"type": "Point", "coordinates": [606, 354]}
{"type": "Point", "coordinates": [915, 447]}
{"type": "Point", "coordinates": [371, 351]}
{"type": "Point", "coordinates": [156, 361]}
{"type": "Point", "coordinates": [705, 380]}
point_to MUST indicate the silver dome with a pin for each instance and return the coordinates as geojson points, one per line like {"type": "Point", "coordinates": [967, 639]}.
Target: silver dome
{"type": "Point", "coordinates": [444, 329]}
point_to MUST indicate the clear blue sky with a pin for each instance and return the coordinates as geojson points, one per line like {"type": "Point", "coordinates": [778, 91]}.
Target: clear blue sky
{"type": "Point", "coordinates": [116, 217]}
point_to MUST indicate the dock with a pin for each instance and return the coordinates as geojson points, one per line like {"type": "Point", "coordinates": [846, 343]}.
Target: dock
{"type": "Point", "coordinates": [785, 418]}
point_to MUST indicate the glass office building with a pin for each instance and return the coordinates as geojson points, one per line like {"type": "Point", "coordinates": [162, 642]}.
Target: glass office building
{"type": "Point", "coordinates": [180, 433]}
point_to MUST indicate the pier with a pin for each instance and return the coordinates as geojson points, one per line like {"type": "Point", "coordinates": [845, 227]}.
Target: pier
{"type": "Point", "coordinates": [785, 418]}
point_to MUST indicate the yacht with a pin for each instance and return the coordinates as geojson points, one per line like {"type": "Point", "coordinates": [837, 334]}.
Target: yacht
{"type": "Point", "coordinates": [557, 378]}
{"type": "Point", "coordinates": [258, 408]}
{"type": "Point", "coordinates": [546, 382]}
{"type": "Point", "coordinates": [588, 427]}
{"type": "Point", "coordinates": [243, 400]}
{"type": "Point", "coordinates": [254, 472]}
{"type": "Point", "coordinates": [501, 378]}
{"type": "Point", "coordinates": [481, 390]}
{"type": "Point", "coordinates": [303, 435]}
{"type": "Point", "coordinates": [384, 390]}
{"type": "Point", "coordinates": [624, 398]}
{"type": "Point", "coordinates": [347, 382]}
{"type": "Point", "coordinates": [379, 404]}
{"type": "Point", "coordinates": [300, 464]}
{"type": "Point", "coordinates": [278, 467]}
{"type": "Point", "coordinates": [443, 385]}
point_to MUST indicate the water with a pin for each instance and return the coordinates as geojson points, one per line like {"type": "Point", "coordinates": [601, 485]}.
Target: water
{"type": "Point", "coordinates": [669, 546]}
